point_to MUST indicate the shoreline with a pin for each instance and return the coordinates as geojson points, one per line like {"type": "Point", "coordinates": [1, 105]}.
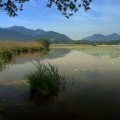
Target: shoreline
{"type": "Point", "coordinates": [78, 45]}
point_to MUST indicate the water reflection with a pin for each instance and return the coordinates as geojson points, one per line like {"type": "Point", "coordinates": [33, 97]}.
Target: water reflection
{"type": "Point", "coordinates": [25, 57]}
{"type": "Point", "coordinates": [94, 96]}
{"type": "Point", "coordinates": [41, 100]}
{"type": "Point", "coordinates": [21, 59]}
{"type": "Point", "coordinates": [112, 52]}
{"type": "Point", "coordinates": [17, 103]}
{"type": "Point", "coordinates": [57, 53]}
{"type": "Point", "coordinates": [3, 64]}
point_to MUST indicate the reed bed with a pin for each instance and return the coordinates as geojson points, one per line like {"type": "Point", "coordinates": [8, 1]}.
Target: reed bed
{"type": "Point", "coordinates": [9, 48]}
{"type": "Point", "coordinates": [46, 80]}
{"type": "Point", "coordinates": [17, 45]}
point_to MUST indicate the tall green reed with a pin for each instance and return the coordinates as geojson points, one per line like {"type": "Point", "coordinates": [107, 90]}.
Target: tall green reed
{"type": "Point", "coordinates": [46, 80]}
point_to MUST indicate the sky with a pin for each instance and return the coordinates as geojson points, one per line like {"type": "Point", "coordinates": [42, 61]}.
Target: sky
{"type": "Point", "coordinates": [102, 18]}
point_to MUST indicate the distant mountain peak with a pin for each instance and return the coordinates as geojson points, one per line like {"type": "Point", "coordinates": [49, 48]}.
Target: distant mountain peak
{"type": "Point", "coordinates": [17, 27]}
{"type": "Point", "coordinates": [101, 37]}
{"type": "Point", "coordinates": [98, 35]}
{"type": "Point", "coordinates": [22, 33]}
{"type": "Point", "coordinates": [114, 34]}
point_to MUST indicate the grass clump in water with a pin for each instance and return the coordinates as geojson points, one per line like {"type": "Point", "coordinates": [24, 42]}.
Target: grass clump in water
{"type": "Point", "coordinates": [5, 54]}
{"type": "Point", "coordinates": [46, 80]}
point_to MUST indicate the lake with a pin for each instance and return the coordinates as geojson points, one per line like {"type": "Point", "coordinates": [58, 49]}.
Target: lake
{"type": "Point", "coordinates": [92, 89]}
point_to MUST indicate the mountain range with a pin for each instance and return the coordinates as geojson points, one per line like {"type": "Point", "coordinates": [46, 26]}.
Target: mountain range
{"type": "Point", "coordinates": [22, 34]}
{"type": "Point", "coordinates": [101, 37]}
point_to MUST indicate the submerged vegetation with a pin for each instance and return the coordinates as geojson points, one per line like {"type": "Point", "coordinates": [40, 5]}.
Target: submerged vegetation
{"type": "Point", "coordinates": [46, 80]}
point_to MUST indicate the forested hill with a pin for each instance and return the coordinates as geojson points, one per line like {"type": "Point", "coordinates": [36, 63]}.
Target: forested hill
{"type": "Point", "coordinates": [21, 33]}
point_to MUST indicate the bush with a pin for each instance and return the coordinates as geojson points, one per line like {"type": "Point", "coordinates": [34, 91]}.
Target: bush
{"type": "Point", "coordinates": [5, 54]}
{"type": "Point", "coordinates": [46, 80]}
{"type": "Point", "coordinates": [25, 49]}
{"type": "Point", "coordinates": [44, 42]}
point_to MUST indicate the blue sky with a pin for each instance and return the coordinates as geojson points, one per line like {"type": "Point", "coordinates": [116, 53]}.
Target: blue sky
{"type": "Point", "coordinates": [103, 18]}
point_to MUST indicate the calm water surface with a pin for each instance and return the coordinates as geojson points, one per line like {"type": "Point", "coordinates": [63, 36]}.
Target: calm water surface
{"type": "Point", "coordinates": [92, 89]}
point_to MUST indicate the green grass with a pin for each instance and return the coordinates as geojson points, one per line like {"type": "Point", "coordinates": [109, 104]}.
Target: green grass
{"type": "Point", "coordinates": [6, 54]}
{"type": "Point", "coordinates": [46, 80]}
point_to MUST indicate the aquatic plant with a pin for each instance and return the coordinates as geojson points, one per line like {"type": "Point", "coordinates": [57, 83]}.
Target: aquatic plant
{"type": "Point", "coordinates": [5, 54]}
{"type": "Point", "coordinates": [46, 80]}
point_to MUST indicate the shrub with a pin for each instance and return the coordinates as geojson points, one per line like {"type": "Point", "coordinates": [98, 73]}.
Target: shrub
{"type": "Point", "coordinates": [25, 49]}
{"type": "Point", "coordinates": [46, 80]}
{"type": "Point", "coordinates": [5, 54]}
{"type": "Point", "coordinates": [44, 42]}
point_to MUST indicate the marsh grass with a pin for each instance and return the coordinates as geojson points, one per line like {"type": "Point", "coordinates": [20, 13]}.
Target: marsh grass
{"type": "Point", "coordinates": [9, 48]}
{"type": "Point", "coordinates": [21, 47]}
{"type": "Point", "coordinates": [17, 44]}
{"type": "Point", "coordinates": [46, 80]}
{"type": "Point", "coordinates": [5, 54]}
